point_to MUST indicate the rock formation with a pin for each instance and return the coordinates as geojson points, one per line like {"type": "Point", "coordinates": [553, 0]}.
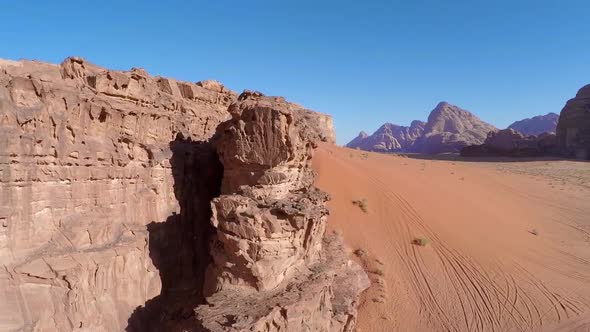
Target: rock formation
{"type": "Point", "coordinates": [389, 137]}
{"type": "Point", "coordinates": [449, 128]}
{"type": "Point", "coordinates": [106, 183]}
{"type": "Point", "coordinates": [511, 143]}
{"type": "Point", "coordinates": [272, 270]}
{"type": "Point", "coordinates": [536, 125]}
{"type": "Point", "coordinates": [573, 128]}
{"type": "Point", "coordinates": [85, 165]}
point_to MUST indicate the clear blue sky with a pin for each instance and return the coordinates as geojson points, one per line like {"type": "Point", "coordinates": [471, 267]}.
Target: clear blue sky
{"type": "Point", "coordinates": [363, 62]}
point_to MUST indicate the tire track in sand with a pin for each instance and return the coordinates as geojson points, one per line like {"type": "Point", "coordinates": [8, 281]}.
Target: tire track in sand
{"type": "Point", "coordinates": [486, 303]}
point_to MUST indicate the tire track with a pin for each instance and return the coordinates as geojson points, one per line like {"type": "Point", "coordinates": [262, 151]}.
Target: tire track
{"type": "Point", "coordinates": [491, 306]}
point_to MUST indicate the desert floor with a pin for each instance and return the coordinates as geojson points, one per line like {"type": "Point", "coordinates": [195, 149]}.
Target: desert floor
{"type": "Point", "coordinates": [508, 242]}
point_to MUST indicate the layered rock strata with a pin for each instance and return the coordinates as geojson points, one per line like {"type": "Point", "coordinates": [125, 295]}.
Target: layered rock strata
{"type": "Point", "coordinates": [271, 269]}
{"type": "Point", "coordinates": [573, 128]}
{"type": "Point", "coordinates": [106, 183]}
{"type": "Point", "coordinates": [87, 160]}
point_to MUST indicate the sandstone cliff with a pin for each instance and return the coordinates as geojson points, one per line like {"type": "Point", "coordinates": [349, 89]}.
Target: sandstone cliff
{"type": "Point", "coordinates": [536, 125]}
{"type": "Point", "coordinates": [573, 128]}
{"type": "Point", "coordinates": [85, 166]}
{"type": "Point", "coordinates": [269, 252]}
{"type": "Point", "coordinates": [106, 183]}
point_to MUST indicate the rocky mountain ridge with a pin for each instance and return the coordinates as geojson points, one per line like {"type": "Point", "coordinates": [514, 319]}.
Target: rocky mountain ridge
{"type": "Point", "coordinates": [448, 129]}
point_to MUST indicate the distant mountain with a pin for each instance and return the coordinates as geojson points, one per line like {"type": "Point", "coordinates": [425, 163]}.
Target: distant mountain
{"type": "Point", "coordinates": [536, 125]}
{"type": "Point", "coordinates": [389, 137]}
{"type": "Point", "coordinates": [449, 128]}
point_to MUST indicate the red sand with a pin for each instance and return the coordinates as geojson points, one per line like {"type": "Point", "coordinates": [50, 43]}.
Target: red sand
{"type": "Point", "coordinates": [483, 269]}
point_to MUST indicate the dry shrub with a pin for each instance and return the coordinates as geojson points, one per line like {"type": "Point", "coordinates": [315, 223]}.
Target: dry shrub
{"type": "Point", "coordinates": [362, 204]}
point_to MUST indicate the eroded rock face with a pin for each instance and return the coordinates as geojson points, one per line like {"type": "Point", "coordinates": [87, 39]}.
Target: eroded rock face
{"type": "Point", "coordinates": [322, 297]}
{"type": "Point", "coordinates": [268, 259]}
{"type": "Point", "coordinates": [106, 212]}
{"type": "Point", "coordinates": [573, 128]}
{"type": "Point", "coordinates": [86, 162]}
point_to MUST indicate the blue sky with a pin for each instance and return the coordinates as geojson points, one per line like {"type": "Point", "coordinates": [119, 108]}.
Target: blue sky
{"type": "Point", "coordinates": [363, 62]}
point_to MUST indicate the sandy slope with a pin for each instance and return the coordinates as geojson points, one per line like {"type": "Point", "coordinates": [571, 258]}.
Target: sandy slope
{"type": "Point", "coordinates": [483, 269]}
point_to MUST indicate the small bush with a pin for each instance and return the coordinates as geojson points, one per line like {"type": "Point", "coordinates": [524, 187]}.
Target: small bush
{"type": "Point", "coordinates": [378, 272]}
{"type": "Point", "coordinates": [420, 241]}
{"type": "Point", "coordinates": [534, 232]}
{"type": "Point", "coordinates": [361, 252]}
{"type": "Point", "coordinates": [338, 232]}
{"type": "Point", "coordinates": [362, 204]}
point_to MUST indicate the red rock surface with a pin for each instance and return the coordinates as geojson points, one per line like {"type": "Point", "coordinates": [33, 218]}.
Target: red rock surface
{"type": "Point", "coordinates": [106, 182]}
{"type": "Point", "coordinates": [271, 270]}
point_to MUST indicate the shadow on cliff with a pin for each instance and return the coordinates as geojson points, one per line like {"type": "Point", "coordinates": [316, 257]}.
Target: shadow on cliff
{"type": "Point", "coordinates": [178, 247]}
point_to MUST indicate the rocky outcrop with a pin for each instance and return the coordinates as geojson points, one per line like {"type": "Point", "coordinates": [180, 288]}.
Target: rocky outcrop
{"type": "Point", "coordinates": [511, 143]}
{"type": "Point", "coordinates": [573, 128]}
{"type": "Point", "coordinates": [89, 158]}
{"type": "Point", "coordinates": [272, 270]}
{"type": "Point", "coordinates": [389, 138]}
{"type": "Point", "coordinates": [448, 129]}
{"type": "Point", "coordinates": [536, 125]}
{"type": "Point", "coordinates": [107, 209]}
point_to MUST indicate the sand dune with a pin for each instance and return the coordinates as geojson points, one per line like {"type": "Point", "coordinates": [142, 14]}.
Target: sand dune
{"type": "Point", "coordinates": [484, 269]}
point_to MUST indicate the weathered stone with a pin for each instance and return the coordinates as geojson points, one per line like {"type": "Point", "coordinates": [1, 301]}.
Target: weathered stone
{"type": "Point", "coordinates": [106, 210]}
{"type": "Point", "coordinates": [269, 270]}
{"type": "Point", "coordinates": [85, 165]}
{"type": "Point", "coordinates": [321, 297]}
